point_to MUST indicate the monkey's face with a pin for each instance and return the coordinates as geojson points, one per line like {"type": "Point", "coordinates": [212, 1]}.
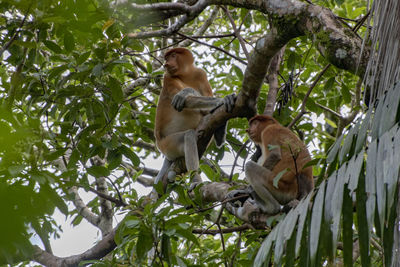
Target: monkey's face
{"type": "Point", "coordinates": [254, 131]}
{"type": "Point", "coordinates": [171, 64]}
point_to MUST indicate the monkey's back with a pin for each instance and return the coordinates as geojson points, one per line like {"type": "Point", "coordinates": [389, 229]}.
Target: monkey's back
{"type": "Point", "coordinates": [294, 154]}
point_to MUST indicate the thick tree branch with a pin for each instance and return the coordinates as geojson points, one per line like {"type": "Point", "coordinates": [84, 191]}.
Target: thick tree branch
{"type": "Point", "coordinates": [190, 13]}
{"type": "Point", "coordinates": [254, 76]}
{"type": "Point", "coordinates": [82, 209]}
{"type": "Point", "coordinates": [293, 18]}
{"type": "Point", "coordinates": [107, 213]}
{"type": "Point", "coordinates": [272, 78]}
{"type": "Point", "coordinates": [101, 249]}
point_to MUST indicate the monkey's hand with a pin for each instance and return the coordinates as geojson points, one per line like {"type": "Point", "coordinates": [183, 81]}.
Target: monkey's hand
{"type": "Point", "coordinates": [178, 102]}
{"type": "Point", "coordinates": [229, 102]}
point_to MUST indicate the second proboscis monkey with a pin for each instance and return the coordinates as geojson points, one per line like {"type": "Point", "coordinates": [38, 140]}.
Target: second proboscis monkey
{"type": "Point", "coordinates": [283, 159]}
{"type": "Point", "coordinates": [185, 98]}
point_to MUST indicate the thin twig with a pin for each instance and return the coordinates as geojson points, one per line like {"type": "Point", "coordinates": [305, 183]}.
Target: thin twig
{"type": "Point", "coordinates": [14, 37]}
{"type": "Point", "coordinates": [237, 157]}
{"type": "Point", "coordinates": [303, 104]}
{"type": "Point", "coordinates": [212, 46]}
{"type": "Point", "coordinates": [221, 203]}
{"type": "Point", "coordinates": [221, 233]}
{"type": "Point", "coordinates": [237, 32]}
{"type": "Point", "coordinates": [237, 248]}
{"type": "Point", "coordinates": [241, 228]}
{"type": "Point", "coordinates": [116, 201]}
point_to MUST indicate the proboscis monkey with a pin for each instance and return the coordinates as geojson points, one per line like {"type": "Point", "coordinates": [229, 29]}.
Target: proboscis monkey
{"type": "Point", "coordinates": [283, 157]}
{"type": "Point", "coordinates": [185, 98]}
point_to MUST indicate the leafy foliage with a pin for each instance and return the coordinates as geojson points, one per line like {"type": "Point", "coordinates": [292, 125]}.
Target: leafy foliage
{"type": "Point", "coordinates": [78, 100]}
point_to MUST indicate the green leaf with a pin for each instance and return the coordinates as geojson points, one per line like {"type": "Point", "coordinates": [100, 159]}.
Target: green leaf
{"type": "Point", "coordinates": [208, 171]}
{"type": "Point", "coordinates": [38, 178]}
{"type": "Point", "coordinates": [264, 253]}
{"type": "Point", "coordinates": [316, 220]}
{"type": "Point", "coordinates": [380, 183]}
{"type": "Point", "coordinates": [98, 171]}
{"type": "Point", "coordinates": [329, 84]}
{"type": "Point", "coordinates": [166, 250]}
{"type": "Point", "coordinates": [149, 67]}
{"type": "Point", "coordinates": [69, 41]}
{"type": "Point", "coordinates": [53, 46]}
{"type": "Point", "coordinates": [116, 89]}
{"type": "Point", "coordinates": [107, 24]}
{"type": "Point", "coordinates": [345, 91]}
{"type": "Point", "coordinates": [347, 227]}
{"type": "Point", "coordinates": [279, 244]}
{"type": "Point", "coordinates": [238, 72]}
{"type": "Point", "coordinates": [362, 222]}
{"type": "Point", "coordinates": [73, 159]}
{"type": "Point", "coordinates": [303, 211]}
{"type": "Point", "coordinates": [144, 243]}
{"type": "Point", "coordinates": [279, 176]}
{"type": "Point", "coordinates": [15, 170]}
{"type": "Point", "coordinates": [187, 233]}
{"type": "Point", "coordinates": [337, 204]}
{"type": "Point", "coordinates": [331, 123]}
{"type": "Point", "coordinates": [354, 170]}
{"type": "Point", "coordinates": [290, 250]}
{"type": "Point", "coordinates": [362, 132]}
{"type": "Point", "coordinates": [291, 61]}
{"type": "Point", "coordinates": [130, 155]}
{"type": "Point", "coordinates": [334, 150]}
{"type": "Point", "coordinates": [114, 159]}
{"type": "Point", "coordinates": [97, 70]}
{"type": "Point", "coordinates": [370, 182]}
{"type": "Point", "coordinates": [347, 144]}
{"type": "Point", "coordinates": [83, 58]}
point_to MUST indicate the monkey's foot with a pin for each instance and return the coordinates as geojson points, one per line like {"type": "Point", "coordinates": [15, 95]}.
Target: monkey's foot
{"type": "Point", "coordinates": [244, 212]}
{"type": "Point", "coordinates": [292, 204]}
{"type": "Point", "coordinates": [237, 197]}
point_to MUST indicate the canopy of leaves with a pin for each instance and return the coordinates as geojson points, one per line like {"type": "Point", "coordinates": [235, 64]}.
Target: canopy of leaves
{"type": "Point", "coordinates": [78, 95]}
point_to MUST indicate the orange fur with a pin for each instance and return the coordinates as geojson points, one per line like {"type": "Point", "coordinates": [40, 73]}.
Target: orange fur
{"type": "Point", "coordinates": [180, 73]}
{"type": "Point", "coordinates": [267, 132]}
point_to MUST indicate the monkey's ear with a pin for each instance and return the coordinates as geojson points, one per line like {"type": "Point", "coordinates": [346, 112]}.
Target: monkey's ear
{"type": "Point", "coordinates": [220, 135]}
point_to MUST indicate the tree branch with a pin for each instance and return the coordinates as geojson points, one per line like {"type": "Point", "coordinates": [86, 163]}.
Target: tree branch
{"type": "Point", "coordinates": [203, 27]}
{"type": "Point", "coordinates": [98, 251]}
{"type": "Point", "coordinates": [107, 213]}
{"type": "Point", "coordinates": [303, 104]}
{"type": "Point", "coordinates": [191, 12]}
{"type": "Point", "coordinates": [117, 202]}
{"type": "Point", "coordinates": [272, 78]}
{"type": "Point", "coordinates": [237, 33]}
{"type": "Point", "coordinates": [243, 227]}
{"type": "Point", "coordinates": [292, 18]}
{"type": "Point", "coordinates": [82, 209]}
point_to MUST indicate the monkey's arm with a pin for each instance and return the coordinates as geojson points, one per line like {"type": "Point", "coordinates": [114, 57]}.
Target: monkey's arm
{"type": "Point", "coordinates": [190, 98]}
{"type": "Point", "coordinates": [273, 158]}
